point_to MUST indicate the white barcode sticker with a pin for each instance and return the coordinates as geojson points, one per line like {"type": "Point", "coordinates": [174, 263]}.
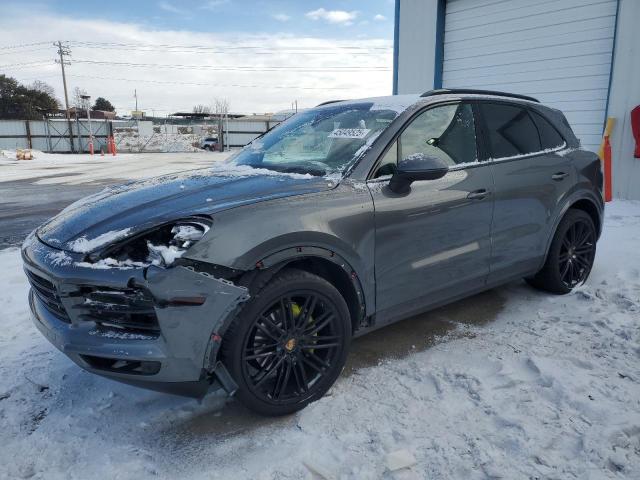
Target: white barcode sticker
{"type": "Point", "coordinates": [349, 133]}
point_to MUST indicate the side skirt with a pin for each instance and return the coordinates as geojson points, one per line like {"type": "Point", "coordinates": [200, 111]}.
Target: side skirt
{"type": "Point", "coordinates": [390, 316]}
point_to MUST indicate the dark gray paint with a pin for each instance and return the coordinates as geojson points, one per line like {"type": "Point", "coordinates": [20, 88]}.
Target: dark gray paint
{"type": "Point", "coordinates": [432, 238]}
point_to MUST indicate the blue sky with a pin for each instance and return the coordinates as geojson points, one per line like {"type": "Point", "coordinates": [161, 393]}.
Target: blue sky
{"type": "Point", "coordinates": [260, 55]}
{"type": "Point", "coordinates": [264, 16]}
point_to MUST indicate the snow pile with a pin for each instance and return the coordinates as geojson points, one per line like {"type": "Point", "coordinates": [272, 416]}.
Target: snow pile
{"type": "Point", "coordinates": [157, 142]}
{"type": "Point", "coordinates": [550, 388]}
{"type": "Point", "coordinates": [19, 154]}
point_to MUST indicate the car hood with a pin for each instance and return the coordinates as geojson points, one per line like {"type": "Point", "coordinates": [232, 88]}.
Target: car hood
{"type": "Point", "coordinates": [122, 211]}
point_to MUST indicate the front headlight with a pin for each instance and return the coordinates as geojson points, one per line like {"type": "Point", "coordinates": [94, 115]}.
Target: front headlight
{"type": "Point", "coordinates": [161, 246]}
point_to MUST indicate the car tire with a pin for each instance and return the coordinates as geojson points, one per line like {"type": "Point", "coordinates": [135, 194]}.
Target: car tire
{"type": "Point", "coordinates": [288, 344]}
{"type": "Point", "coordinates": [571, 254]}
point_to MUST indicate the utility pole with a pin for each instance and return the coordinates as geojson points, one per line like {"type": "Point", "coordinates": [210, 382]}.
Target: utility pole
{"type": "Point", "coordinates": [64, 51]}
{"type": "Point", "coordinates": [135, 94]}
{"type": "Point", "coordinates": [87, 100]}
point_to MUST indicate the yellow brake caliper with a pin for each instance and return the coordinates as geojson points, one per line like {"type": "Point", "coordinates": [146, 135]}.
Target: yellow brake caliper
{"type": "Point", "coordinates": [297, 310]}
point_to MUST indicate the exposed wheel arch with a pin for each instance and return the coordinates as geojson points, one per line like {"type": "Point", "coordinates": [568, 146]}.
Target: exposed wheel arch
{"type": "Point", "coordinates": [347, 284]}
{"type": "Point", "coordinates": [582, 202]}
{"type": "Point", "coordinates": [591, 209]}
{"type": "Point", "coordinates": [319, 261]}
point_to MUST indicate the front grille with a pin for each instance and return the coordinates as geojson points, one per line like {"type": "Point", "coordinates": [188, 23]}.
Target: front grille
{"type": "Point", "coordinates": [47, 293]}
{"type": "Point", "coordinates": [130, 308]}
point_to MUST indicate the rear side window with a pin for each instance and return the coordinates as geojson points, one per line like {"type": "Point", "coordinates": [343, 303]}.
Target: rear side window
{"type": "Point", "coordinates": [549, 136]}
{"type": "Point", "coordinates": [511, 130]}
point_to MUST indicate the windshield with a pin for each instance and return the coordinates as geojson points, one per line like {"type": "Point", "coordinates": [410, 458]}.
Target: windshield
{"type": "Point", "coordinates": [318, 141]}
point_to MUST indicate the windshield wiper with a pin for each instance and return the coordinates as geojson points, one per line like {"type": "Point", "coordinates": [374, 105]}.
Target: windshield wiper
{"type": "Point", "coordinates": [302, 169]}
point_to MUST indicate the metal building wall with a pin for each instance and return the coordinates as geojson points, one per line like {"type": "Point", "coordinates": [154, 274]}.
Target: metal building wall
{"type": "Point", "coordinates": [416, 45]}
{"type": "Point", "coordinates": [624, 96]}
{"type": "Point", "coordinates": [238, 133]}
{"type": "Point", "coordinates": [52, 135]}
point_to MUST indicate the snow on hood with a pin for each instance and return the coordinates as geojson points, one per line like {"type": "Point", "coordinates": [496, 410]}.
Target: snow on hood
{"type": "Point", "coordinates": [122, 211]}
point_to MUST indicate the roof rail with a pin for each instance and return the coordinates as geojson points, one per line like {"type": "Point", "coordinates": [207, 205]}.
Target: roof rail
{"type": "Point", "coordinates": [453, 91]}
{"type": "Point", "coordinates": [328, 102]}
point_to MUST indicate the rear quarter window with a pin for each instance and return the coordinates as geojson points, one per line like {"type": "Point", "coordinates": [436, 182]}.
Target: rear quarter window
{"type": "Point", "coordinates": [549, 136]}
{"type": "Point", "coordinates": [511, 130]}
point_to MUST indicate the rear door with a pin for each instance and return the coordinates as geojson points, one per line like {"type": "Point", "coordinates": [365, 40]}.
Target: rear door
{"type": "Point", "coordinates": [531, 178]}
{"type": "Point", "coordinates": [432, 243]}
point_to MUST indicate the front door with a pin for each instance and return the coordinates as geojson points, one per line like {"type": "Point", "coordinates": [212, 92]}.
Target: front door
{"type": "Point", "coordinates": [434, 242]}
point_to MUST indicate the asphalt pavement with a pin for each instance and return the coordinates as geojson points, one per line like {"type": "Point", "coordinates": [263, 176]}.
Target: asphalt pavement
{"type": "Point", "coordinates": [26, 204]}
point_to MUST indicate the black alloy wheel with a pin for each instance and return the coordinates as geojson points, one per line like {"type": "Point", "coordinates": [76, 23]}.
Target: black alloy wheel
{"type": "Point", "coordinates": [577, 252]}
{"type": "Point", "coordinates": [570, 256]}
{"type": "Point", "coordinates": [289, 344]}
{"type": "Point", "coordinates": [291, 347]}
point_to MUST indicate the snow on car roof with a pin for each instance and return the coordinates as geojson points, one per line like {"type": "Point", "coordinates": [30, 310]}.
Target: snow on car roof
{"type": "Point", "coordinates": [397, 103]}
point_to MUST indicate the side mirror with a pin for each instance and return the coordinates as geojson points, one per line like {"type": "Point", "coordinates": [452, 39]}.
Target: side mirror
{"type": "Point", "coordinates": [417, 167]}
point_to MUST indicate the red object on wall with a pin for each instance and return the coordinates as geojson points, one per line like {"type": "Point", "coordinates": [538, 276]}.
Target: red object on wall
{"type": "Point", "coordinates": [608, 184]}
{"type": "Point", "coordinates": [635, 128]}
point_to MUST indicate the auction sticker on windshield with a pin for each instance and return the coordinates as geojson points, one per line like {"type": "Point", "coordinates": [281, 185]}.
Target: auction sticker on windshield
{"type": "Point", "coordinates": [349, 133]}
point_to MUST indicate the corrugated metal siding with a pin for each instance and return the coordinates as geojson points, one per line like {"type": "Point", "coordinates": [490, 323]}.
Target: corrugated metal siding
{"type": "Point", "coordinates": [238, 133]}
{"type": "Point", "coordinates": [51, 135]}
{"type": "Point", "coordinates": [557, 51]}
{"type": "Point", "coordinates": [12, 143]}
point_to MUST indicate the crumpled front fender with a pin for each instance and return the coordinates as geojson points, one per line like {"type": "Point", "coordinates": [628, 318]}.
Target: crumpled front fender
{"type": "Point", "coordinates": [189, 329]}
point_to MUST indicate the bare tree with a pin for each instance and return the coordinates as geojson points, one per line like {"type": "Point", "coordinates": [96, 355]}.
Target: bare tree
{"type": "Point", "coordinates": [43, 87]}
{"type": "Point", "coordinates": [220, 106]}
{"type": "Point", "coordinates": [200, 108]}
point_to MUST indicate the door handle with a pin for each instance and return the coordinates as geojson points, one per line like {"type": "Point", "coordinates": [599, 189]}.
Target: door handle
{"type": "Point", "coordinates": [478, 194]}
{"type": "Point", "coordinates": [559, 176]}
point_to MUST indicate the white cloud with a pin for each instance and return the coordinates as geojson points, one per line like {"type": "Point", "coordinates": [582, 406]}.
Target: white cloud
{"type": "Point", "coordinates": [213, 4]}
{"type": "Point", "coordinates": [287, 67]}
{"type": "Point", "coordinates": [341, 17]}
{"type": "Point", "coordinates": [281, 17]}
{"type": "Point", "coordinates": [379, 18]}
{"type": "Point", "coordinates": [168, 7]}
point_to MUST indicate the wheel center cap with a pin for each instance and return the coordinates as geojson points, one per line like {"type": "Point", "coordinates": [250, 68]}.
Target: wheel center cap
{"type": "Point", "coordinates": [290, 344]}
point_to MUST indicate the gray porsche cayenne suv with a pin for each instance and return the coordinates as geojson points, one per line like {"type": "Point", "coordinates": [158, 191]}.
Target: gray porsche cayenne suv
{"type": "Point", "coordinates": [255, 274]}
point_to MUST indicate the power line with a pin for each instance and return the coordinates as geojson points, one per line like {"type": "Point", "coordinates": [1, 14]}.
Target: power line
{"type": "Point", "coordinates": [227, 47]}
{"type": "Point", "coordinates": [163, 82]}
{"type": "Point", "coordinates": [237, 67]}
{"type": "Point", "coordinates": [25, 64]}
{"type": "Point", "coordinates": [20, 52]}
{"type": "Point", "coordinates": [8, 47]}
{"type": "Point", "coordinates": [238, 50]}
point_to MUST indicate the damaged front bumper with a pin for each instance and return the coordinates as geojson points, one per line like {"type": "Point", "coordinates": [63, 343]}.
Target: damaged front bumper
{"type": "Point", "coordinates": [152, 327]}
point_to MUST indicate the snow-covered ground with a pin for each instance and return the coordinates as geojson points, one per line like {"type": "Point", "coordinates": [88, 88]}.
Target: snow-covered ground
{"type": "Point", "coordinates": [548, 389]}
{"type": "Point", "coordinates": [83, 169]}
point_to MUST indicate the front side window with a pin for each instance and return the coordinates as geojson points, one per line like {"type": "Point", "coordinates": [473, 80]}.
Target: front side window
{"type": "Point", "coordinates": [511, 130]}
{"type": "Point", "coordinates": [318, 141]}
{"type": "Point", "coordinates": [446, 132]}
